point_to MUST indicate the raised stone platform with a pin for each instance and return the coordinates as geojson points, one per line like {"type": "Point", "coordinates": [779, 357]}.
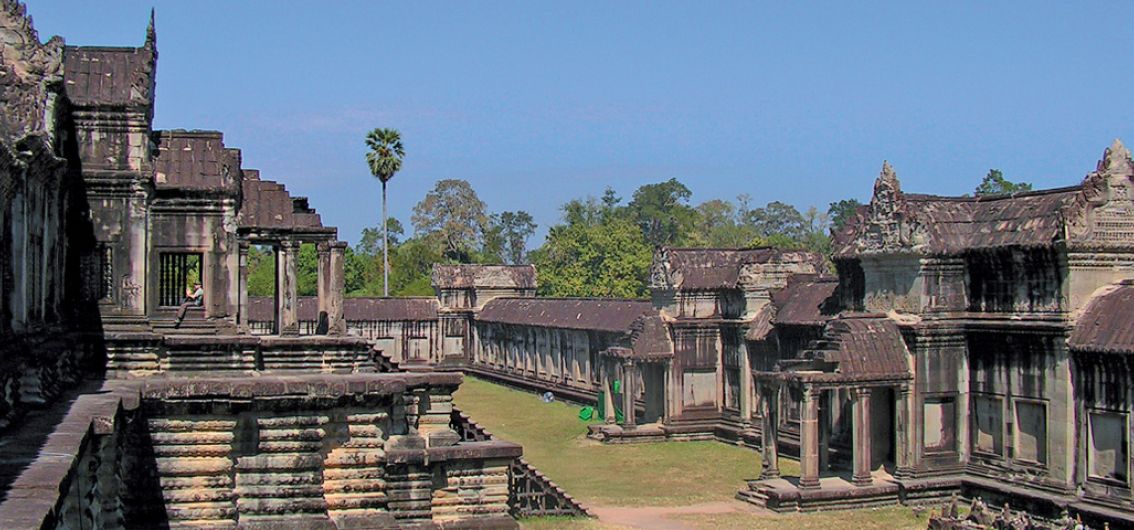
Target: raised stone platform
{"type": "Point", "coordinates": [785, 495]}
{"type": "Point", "coordinates": [144, 354]}
{"type": "Point", "coordinates": [303, 451]}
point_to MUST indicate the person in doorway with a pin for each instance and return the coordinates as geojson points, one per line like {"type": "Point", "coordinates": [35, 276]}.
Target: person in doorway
{"type": "Point", "coordinates": [193, 298]}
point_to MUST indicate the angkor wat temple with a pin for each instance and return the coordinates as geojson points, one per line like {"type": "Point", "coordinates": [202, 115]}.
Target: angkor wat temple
{"type": "Point", "coordinates": [950, 345]}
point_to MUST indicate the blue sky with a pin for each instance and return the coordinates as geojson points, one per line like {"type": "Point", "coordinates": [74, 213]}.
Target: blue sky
{"type": "Point", "coordinates": [536, 103]}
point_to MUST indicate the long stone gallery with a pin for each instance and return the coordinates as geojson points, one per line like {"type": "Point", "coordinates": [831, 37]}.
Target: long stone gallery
{"type": "Point", "coordinates": [973, 347]}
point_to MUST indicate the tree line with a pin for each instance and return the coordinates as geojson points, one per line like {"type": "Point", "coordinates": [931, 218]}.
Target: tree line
{"type": "Point", "coordinates": [601, 247]}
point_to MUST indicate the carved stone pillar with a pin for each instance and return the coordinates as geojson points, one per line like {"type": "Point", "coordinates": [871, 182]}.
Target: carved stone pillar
{"type": "Point", "coordinates": [331, 286]}
{"type": "Point", "coordinates": [242, 288]}
{"type": "Point", "coordinates": [809, 439]}
{"type": "Point", "coordinates": [769, 432]}
{"type": "Point", "coordinates": [628, 390]}
{"type": "Point", "coordinates": [286, 287]}
{"type": "Point", "coordinates": [903, 397]}
{"type": "Point", "coordinates": [861, 450]}
{"type": "Point", "coordinates": [134, 280]}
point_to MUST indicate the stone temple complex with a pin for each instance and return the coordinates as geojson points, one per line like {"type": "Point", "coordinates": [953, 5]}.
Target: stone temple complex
{"type": "Point", "coordinates": [973, 346]}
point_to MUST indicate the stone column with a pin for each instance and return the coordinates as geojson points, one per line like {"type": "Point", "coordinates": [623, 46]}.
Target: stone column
{"type": "Point", "coordinates": [628, 389]}
{"type": "Point", "coordinates": [671, 400]}
{"type": "Point", "coordinates": [769, 432]}
{"type": "Point", "coordinates": [286, 288]}
{"type": "Point", "coordinates": [827, 403]}
{"type": "Point", "coordinates": [861, 450]}
{"type": "Point", "coordinates": [809, 439]}
{"type": "Point", "coordinates": [608, 399]}
{"type": "Point", "coordinates": [331, 286]}
{"type": "Point", "coordinates": [903, 430]}
{"type": "Point", "coordinates": [746, 390]}
{"type": "Point", "coordinates": [242, 288]}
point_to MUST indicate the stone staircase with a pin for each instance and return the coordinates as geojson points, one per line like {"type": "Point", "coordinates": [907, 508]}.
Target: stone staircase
{"type": "Point", "coordinates": [530, 493]}
{"type": "Point", "coordinates": [209, 353]}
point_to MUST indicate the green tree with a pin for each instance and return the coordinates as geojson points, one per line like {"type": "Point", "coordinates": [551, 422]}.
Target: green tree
{"type": "Point", "coordinates": [777, 218]}
{"type": "Point", "coordinates": [371, 239]}
{"type": "Point", "coordinates": [840, 213]}
{"type": "Point", "coordinates": [384, 159]}
{"type": "Point", "coordinates": [516, 228]}
{"type": "Point", "coordinates": [413, 265]}
{"type": "Point", "coordinates": [593, 254]}
{"type": "Point", "coordinates": [261, 271]}
{"type": "Point", "coordinates": [307, 270]}
{"type": "Point", "coordinates": [994, 183]}
{"type": "Point", "coordinates": [454, 214]}
{"type": "Point", "coordinates": [662, 212]}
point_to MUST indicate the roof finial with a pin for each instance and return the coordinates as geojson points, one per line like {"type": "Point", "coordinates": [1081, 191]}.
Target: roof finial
{"type": "Point", "coordinates": [151, 33]}
{"type": "Point", "coordinates": [887, 189]}
{"type": "Point", "coordinates": [1116, 160]}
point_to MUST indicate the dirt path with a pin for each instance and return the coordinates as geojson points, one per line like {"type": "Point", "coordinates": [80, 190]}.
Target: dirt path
{"type": "Point", "coordinates": [660, 517]}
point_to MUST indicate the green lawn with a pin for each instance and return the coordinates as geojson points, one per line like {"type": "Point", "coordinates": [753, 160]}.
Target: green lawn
{"type": "Point", "coordinates": [555, 442]}
{"type": "Point", "coordinates": [657, 474]}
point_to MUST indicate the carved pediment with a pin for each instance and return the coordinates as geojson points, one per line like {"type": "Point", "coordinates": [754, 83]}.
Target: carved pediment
{"type": "Point", "coordinates": [1105, 216]}
{"type": "Point", "coordinates": [888, 225]}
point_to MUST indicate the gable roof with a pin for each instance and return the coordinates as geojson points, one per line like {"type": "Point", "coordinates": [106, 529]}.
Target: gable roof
{"type": "Point", "coordinates": [805, 300]}
{"type": "Point", "coordinates": [1107, 324]}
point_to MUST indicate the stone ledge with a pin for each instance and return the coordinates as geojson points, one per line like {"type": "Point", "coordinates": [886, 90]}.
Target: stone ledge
{"type": "Point", "coordinates": [315, 385]}
{"type": "Point", "coordinates": [461, 451]}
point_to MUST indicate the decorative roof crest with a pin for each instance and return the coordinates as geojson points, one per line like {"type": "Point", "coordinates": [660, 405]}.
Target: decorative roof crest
{"type": "Point", "coordinates": [151, 33]}
{"type": "Point", "coordinates": [1116, 161]}
{"type": "Point", "coordinates": [887, 189]}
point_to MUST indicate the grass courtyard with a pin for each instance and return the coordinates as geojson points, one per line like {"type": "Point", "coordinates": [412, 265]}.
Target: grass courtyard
{"type": "Point", "coordinates": [672, 474]}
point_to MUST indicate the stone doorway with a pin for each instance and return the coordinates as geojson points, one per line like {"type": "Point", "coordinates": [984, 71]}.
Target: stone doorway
{"type": "Point", "coordinates": [653, 380]}
{"type": "Point", "coordinates": [883, 429]}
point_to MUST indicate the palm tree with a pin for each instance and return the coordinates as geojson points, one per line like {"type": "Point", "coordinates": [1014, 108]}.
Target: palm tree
{"type": "Point", "coordinates": [385, 159]}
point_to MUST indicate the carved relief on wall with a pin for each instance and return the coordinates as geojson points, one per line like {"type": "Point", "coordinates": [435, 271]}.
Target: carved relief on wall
{"type": "Point", "coordinates": [29, 73]}
{"type": "Point", "coordinates": [660, 275]}
{"type": "Point", "coordinates": [1106, 214]}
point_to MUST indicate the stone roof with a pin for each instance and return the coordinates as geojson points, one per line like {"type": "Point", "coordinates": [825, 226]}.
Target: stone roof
{"type": "Point", "coordinates": [867, 346]}
{"type": "Point", "coordinates": [806, 301]}
{"type": "Point", "coordinates": [104, 76]}
{"type": "Point", "coordinates": [262, 308]}
{"type": "Point", "coordinates": [929, 224]}
{"type": "Point", "coordinates": [715, 268]}
{"type": "Point", "coordinates": [484, 276]}
{"type": "Point", "coordinates": [855, 348]}
{"type": "Point", "coordinates": [649, 338]}
{"type": "Point", "coordinates": [611, 315]}
{"type": "Point", "coordinates": [267, 205]}
{"type": "Point", "coordinates": [1107, 324]}
{"type": "Point", "coordinates": [196, 160]}
{"type": "Point", "coordinates": [761, 324]}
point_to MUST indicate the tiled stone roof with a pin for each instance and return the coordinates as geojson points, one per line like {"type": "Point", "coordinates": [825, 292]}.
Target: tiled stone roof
{"type": "Point", "coordinates": [566, 313]}
{"type": "Point", "coordinates": [1107, 324]}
